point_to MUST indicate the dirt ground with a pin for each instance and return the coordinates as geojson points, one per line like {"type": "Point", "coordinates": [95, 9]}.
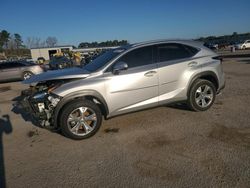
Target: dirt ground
{"type": "Point", "coordinates": [160, 147]}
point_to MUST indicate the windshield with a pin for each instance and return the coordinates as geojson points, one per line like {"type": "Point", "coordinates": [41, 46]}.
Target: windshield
{"type": "Point", "coordinates": [103, 59]}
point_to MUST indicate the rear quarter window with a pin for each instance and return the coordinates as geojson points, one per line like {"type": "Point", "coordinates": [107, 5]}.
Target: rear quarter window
{"type": "Point", "coordinates": [192, 50]}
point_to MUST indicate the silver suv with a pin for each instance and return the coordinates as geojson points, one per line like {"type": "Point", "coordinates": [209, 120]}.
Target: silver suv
{"type": "Point", "coordinates": [122, 80]}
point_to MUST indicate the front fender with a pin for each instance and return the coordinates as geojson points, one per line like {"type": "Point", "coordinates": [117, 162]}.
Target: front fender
{"type": "Point", "coordinates": [79, 94]}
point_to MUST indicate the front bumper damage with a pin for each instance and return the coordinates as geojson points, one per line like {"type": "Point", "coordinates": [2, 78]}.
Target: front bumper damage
{"type": "Point", "coordinates": [40, 104]}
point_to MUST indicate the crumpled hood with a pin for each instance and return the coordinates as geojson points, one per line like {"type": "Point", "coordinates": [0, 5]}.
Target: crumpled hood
{"type": "Point", "coordinates": [69, 73]}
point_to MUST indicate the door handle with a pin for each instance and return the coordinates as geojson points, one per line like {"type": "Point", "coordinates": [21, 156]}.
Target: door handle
{"type": "Point", "coordinates": [150, 73]}
{"type": "Point", "coordinates": [192, 64]}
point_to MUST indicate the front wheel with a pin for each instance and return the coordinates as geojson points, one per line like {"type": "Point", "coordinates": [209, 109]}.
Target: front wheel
{"type": "Point", "coordinates": [202, 95]}
{"type": "Point", "coordinates": [80, 119]}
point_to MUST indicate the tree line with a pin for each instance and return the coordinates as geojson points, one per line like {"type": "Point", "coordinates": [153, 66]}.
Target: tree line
{"type": "Point", "coordinates": [10, 41]}
{"type": "Point", "coordinates": [108, 43]}
{"type": "Point", "coordinates": [14, 41]}
{"type": "Point", "coordinates": [225, 39]}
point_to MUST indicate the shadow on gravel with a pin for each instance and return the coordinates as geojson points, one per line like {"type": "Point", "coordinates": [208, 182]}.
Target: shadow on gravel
{"type": "Point", "coordinates": [5, 88]}
{"type": "Point", "coordinates": [17, 109]}
{"type": "Point", "coordinates": [5, 127]}
{"type": "Point", "coordinates": [26, 116]}
{"type": "Point", "coordinates": [247, 61]}
{"type": "Point", "coordinates": [232, 136]}
{"type": "Point", "coordinates": [111, 130]}
{"type": "Point", "coordinates": [179, 106]}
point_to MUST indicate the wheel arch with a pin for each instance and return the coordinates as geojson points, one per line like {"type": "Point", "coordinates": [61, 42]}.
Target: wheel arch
{"type": "Point", "coordinates": [207, 75]}
{"type": "Point", "coordinates": [81, 95]}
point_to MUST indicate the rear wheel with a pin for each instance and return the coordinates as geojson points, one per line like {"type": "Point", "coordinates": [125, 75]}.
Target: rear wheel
{"type": "Point", "coordinates": [27, 75]}
{"type": "Point", "coordinates": [80, 119]}
{"type": "Point", "coordinates": [202, 95]}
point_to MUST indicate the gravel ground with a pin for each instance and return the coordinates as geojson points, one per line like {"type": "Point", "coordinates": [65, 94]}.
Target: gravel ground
{"type": "Point", "coordinates": [160, 147]}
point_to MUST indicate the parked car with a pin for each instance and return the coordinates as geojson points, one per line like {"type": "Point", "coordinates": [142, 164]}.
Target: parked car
{"type": "Point", "coordinates": [18, 70]}
{"type": "Point", "coordinates": [212, 46]}
{"type": "Point", "coordinates": [123, 80]}
{"type": "Point", "coordinates": [60, 63]}
{"type": "Point", "coordinates": [243, 45]}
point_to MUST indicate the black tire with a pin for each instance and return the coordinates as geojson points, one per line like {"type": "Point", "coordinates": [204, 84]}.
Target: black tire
{"type": "Point", "coordinates": [69, 108]}
{"type": "Point", "coordinates": [192, 94]}
{"type": "Point", "coordinates": [24, 76]}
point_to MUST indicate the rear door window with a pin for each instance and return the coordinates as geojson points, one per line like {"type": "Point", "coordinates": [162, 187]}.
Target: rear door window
{"type": "Point", "coordinates": [174, 51]}
{"type": "Point", "coordinates": [17, 64]}
{"type": "Point", "coordinates": [5, 66]}
{"type": "Point", "coordinates": [10, 65]}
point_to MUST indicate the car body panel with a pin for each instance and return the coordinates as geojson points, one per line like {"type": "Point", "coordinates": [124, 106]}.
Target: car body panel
{"type": "Point", "coordinates": [58, 74]}
{"type": "Point", "coordinates": [135, 87]}
{"type": "Point", "coordinates": [139, 87]}
{"type": "Point", "coordinates": [173, 79]}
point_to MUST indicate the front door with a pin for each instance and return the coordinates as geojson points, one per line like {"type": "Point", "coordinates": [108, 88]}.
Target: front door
{"type": "Point", "coordinates": [135, 88]}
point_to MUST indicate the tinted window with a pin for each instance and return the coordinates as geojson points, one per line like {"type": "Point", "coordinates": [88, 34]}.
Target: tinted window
{"type": "Point", "coordinates": [173, 51]}
{"type": "Point", "coordinates": [28, 63]}
{"type": "Point", "coordinates": [2, 65]}
{"type": "Point", "coordinates": [17, 64]}
{"type": "Point", "coordinates": [138, 57]}
{"type": "Point", "coordinates": [103, 59]}
{"type": "Point", "coordinates": [191, 50]}
{"type": "Point", "coordinates": [7, 65]}
{"type": "Point", "coordinates": [11, 65]}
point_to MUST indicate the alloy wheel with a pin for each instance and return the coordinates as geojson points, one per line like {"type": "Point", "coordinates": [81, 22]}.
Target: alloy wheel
{"type": "Point", "coordinates": [82, 121]}
{"type": "Point", "coordinates": [204, 96]}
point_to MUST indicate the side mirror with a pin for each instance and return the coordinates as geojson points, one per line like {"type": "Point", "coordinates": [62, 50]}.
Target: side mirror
{"type": "Point", "coordinates": [120, 66]}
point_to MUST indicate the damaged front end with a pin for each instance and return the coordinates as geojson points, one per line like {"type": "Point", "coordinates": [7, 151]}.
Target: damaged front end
{"type": "Point", "coordinates": [40, 102]}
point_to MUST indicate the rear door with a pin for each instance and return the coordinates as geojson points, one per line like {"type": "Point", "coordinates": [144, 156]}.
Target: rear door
{"type": "Point", "coordinates": [136, 87]}
{"type": "Point", "coordinates": [173, 60]}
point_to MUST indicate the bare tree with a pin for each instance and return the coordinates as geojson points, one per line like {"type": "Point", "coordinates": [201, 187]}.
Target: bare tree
{"type": "Point", "coordinates": [51, 41]}
{"type": "Point", "coordinates": [35, 42]}
{"type": "Point", "coordinates": [43, 44]}
{"type": "Point", "coordinates": [29, 42]}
